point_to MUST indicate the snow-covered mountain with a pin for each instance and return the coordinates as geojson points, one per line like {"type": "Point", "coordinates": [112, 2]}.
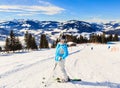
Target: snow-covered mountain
{"type": "Point", "coordinates": [18, 25]}
{"type": "Point", "coordinates": [54, 28]}
{"type": "Point", "coordinates": [112, 27]}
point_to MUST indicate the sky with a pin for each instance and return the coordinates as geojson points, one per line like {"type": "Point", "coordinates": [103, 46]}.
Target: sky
{"type": "Point", "coordinates": [61, 10]}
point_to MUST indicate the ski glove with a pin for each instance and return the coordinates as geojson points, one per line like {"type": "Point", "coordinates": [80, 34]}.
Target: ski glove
{"type": "Point", "coordinates": [60, 58]}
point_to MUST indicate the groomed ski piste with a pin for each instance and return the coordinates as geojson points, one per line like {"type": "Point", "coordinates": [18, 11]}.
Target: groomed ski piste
{"type": "Point", "coordinates": [98, 67]}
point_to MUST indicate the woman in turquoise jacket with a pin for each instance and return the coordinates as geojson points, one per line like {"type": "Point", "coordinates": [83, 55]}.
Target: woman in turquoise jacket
{"type": "Point", "coordinates": [61, 51]}
{"type": "Point", "coordinates": [60, 56]}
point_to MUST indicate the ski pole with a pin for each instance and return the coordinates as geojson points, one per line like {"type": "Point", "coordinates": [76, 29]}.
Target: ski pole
{"type": "Point", "coordinates": [55, 66]}
{"type": "Point", "coordinates": [46, 84]}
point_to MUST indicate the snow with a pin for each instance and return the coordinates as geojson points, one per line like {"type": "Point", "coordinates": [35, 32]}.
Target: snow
{"type": "Point", "coordinates": [108, 27]}
{"type": "Point", "coordinates": [57, 30]}
{"type": "Point", "coordinates": [2, 26]}
{"type": "Point", "coordinates": [26, 25]}
{"type": "Point", "coordinates": [98, 68]}
{"type": "Point", "coordinates": [111, 26]}
{"type": "Point", "coordinates": [70, 43]}
{"type": "Point", "coordinates": [117, 27]}
{"type": "Point", "coordinates": [2, 44]}
{"type": "Point", "coordinates": [72, 30]}
{"type": "Point", "coordinates": [2, 37]}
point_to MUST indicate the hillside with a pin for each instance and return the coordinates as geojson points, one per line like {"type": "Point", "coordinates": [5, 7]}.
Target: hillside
{"type": "Point", "coordinates": [96, 68]}
{"type": "Point", "coordinates": [70, 26]}
{"type": "Point", "coordinates": [53, 29]}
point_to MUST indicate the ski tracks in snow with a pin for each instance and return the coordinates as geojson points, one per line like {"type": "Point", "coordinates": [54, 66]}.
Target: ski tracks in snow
{"type": "Point", "coordinates": [19, 67]}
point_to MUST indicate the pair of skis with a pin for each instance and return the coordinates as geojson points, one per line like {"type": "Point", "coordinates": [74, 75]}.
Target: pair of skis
{"type": "Point", "coordinates": [47, 83]}
{"type": "Point", "coordinates": [58, 80]}
{"type": "Point", "coordinates": [69, 80]}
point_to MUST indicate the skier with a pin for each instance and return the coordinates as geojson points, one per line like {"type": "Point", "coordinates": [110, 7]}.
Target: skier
{"type": "Point", "coordinates": [91, 48]}
{"type": "Point", "coordinates": [60, 56]}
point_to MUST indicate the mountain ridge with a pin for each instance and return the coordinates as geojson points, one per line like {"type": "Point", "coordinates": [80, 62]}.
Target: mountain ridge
{"type": "Point", "coordinates": [71, 26]}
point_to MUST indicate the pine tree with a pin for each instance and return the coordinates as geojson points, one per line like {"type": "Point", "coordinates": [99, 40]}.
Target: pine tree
{"type": "Point", "coordinates": [56, 42]}
{"type": "Point", "coordinates": [43, 42]}
{"type": "Point", "coordinates": [26, 40]}
{"type": "Point", "coordinates": [0, 48]}
{"type": "Point", "coordinates": [116, 38]}
{"type": "Point", "coordinates": [12, 35]}
{"type": "Point", "coordinates": [78, 40]}
{"type": "Point", "coordinates": [81, 39]}
{"type": "Point", "coordinates": [110, 38]}
{"type": "Point", "coordinates": [33, 43]}
{"type": "Point", "coordinates": [69, 38]}
{"type": "Point", "coordinates": [30, 41]}
{"type": "Point", "coordinates": [74, 39]}
{"type": "Point", "coordinates": [85, 40]}
{"type": "Point", "coordinates": [12, 43]}
{"type": "Point", "coordinates": [53, 45]}
{"type": "Point", "coordinates": [96, 38]}
{"type": "Point", "coordinates": [99, 39]}
{"type": "Point", "coordinates": [18, 45]}
{"type": "Point", "coordinates": [103, 38]}
{"type": "Point", "coordinates": [46, 43]}
{"type": "Point", "coordinates": [7, 44]}
{"type": "Point", "coordinates": [92, 38]}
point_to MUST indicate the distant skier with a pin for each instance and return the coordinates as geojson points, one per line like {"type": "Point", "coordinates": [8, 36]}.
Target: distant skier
{"type": "Point", "coordinates": [60, 56]}
{"type": "Point", "coordinates": [91, 48]}
{"type": "Point", "coordinates": [108, 47]}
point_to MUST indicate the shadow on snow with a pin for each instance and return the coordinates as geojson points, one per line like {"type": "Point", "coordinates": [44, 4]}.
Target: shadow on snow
{"type": "Point", "coordinates": [104, 84]}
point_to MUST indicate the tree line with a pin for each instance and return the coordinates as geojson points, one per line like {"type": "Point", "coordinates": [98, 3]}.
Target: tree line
{"type": "Point", "coordinates": [94, 38]}
{"type": "Point", "coordinates": [13, 43]}
{"type": "Point", "coordinates": [103, 38]}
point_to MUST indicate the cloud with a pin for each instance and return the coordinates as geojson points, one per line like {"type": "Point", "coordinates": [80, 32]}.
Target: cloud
{"type": "Point", "coordinates": [25, 14]}
{"type": "Point", "coordinates": [97, 19]}
{"type": "Point", "coordinates": [44, 2]}
{"type": "Point", "coordinates": [47, 9]}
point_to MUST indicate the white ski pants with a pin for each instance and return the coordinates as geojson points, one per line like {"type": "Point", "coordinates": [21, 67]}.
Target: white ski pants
{"type": "Point", "coordinates": [60, 71]}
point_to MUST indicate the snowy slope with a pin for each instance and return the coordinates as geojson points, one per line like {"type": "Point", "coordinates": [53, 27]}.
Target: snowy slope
{"type": "Point", "coordinates": [98, 68]}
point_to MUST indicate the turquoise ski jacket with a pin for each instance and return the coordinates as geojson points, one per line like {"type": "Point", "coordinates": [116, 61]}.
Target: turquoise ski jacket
{"type": "Point", "coordinates": [58, 53]}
